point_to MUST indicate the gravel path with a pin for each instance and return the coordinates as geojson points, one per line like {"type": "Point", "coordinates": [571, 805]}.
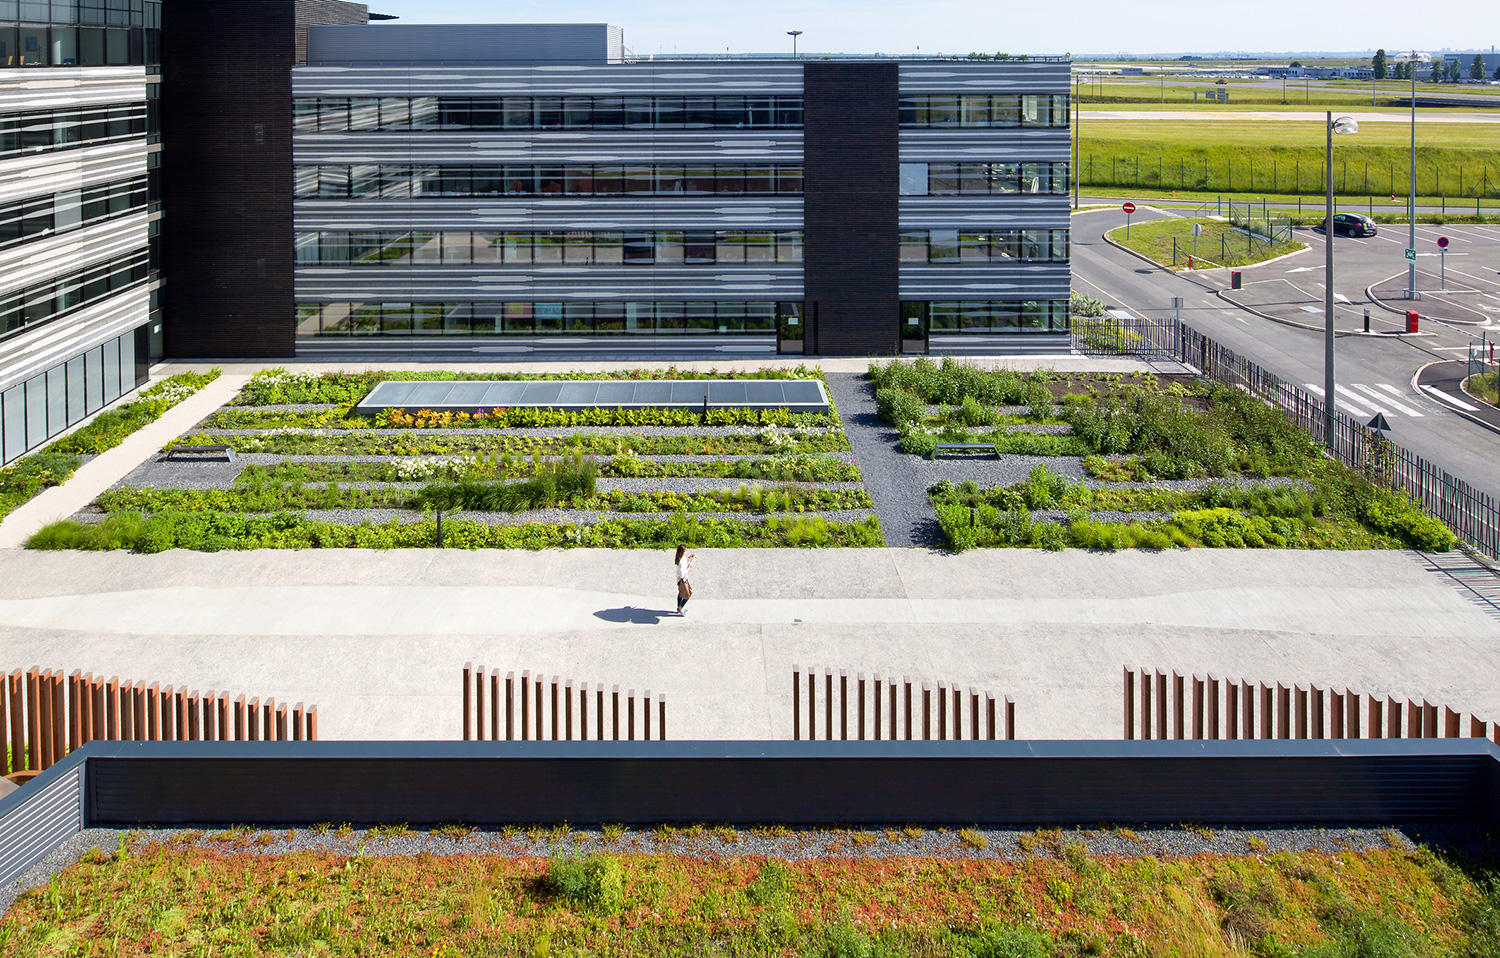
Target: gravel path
{"type": "Point", "coordinates": [893, 479]}
{"type": "Point", "coordinates": [890, 842]}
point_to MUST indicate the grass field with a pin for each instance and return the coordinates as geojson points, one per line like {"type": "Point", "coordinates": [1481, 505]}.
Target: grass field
{"type": "Point", "coordinates": [1221, 243]}
{"type": "Point", "coordinates": [1275, 156]}
{"type": "Point", "coordinates": [1293, 203]}
{"type": "Point", "coordinates": [1264, 94]}
{"type": "Point", "coordinates": [187, 899]}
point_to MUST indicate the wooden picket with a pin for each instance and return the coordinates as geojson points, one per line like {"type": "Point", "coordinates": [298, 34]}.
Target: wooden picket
{"type": "Point", "coordinates": [887, 710]}
{"type": "Point", "coordinates": [44, 714]}
{"type": "Point", "coordinates": [1257, 710]}
{"type": "Point", "coordinates": [535, 708]}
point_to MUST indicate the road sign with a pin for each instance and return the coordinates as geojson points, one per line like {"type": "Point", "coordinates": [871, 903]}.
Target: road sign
{"type": "Point", "coordinates": [1378, 423]}
{"type": "Point", "coordinates": [1197, 230]}
{"type": "Point", "coordinates": [1442, 242]}
{"type": "Point", "coordinates": [1128, 207]}
{"type": "Point", "coordinates": [1411, 256]}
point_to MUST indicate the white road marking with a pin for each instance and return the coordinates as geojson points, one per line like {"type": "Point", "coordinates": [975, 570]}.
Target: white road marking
{"type": "Point", "coordinates": [1438, 393]}
{"type": "Point", "coordinates": [1398, 406]}
{"type": "Point", "coordinates": [1341, 402]}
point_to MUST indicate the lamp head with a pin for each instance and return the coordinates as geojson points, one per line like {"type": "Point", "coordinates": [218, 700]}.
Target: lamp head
{"type": "Point", "coordinates": [1345, 124]}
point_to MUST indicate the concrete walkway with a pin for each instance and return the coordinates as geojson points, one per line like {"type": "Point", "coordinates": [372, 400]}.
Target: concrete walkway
{"type": "Point", "coordinates": [378, 640]}
{"type": "Point", "coordinates": [108, 468]}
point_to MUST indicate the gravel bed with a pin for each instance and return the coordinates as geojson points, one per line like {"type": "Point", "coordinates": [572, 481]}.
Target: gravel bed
{"type": "Point", "coordinates": [581, 517]}
{"type": "Point", "coordinates": [1106, 515]}
{"type": "Point", "coordinates": [287, 407]}
{"type": "Point", "coordinates": [1002, 410]}
{"type": "Point", "coordinates": [158, 473]}
{"type": "Point", "coordinates": [871, 843]}
{"type": "Point", "coordinates": [706, 484]}
{"type": "Point", "coordinates": [549, 432]}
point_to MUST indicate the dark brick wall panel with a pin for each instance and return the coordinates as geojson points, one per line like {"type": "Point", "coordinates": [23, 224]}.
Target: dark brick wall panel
{"type": "Point", "coordinates": [852, 206]}
{"type": "Point", "coordinates": [311, 12]}
{"type": "Point", "coordinates": [227, 177]}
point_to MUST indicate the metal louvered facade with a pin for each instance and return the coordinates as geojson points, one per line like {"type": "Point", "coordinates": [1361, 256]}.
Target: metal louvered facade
{"type": "Point", "coordinates": [445, 191]}
{"type": "Point", "coordinates": [79, 213]}
{"type": "Point", "coordinates": [35, 819]}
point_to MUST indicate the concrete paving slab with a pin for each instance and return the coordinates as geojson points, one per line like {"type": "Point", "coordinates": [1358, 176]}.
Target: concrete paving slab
{"type": "Point", "coordinates": [377, 640]}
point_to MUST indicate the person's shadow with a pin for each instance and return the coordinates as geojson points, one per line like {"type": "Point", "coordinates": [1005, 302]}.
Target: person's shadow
{"type": "Point", "coordinates": [631, 614]}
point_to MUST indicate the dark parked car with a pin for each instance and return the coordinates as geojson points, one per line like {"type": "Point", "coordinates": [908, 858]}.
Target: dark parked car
{"type": "Point", "coordinates": [1350, 224]}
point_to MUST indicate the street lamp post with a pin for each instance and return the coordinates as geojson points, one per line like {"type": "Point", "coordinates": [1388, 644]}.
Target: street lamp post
{"type": "Point", "coordinates": [1343, 124]}
{"type": "Point", "coordinates": [794, 34]}
{"type": "Point", "coordinates": [1411, 202]}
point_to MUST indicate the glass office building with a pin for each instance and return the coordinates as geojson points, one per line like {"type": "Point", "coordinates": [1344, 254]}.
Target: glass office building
{"type": "Point", "coordinates": [515, 182]}
{"type": "Point", "coordinates": [79, 210]}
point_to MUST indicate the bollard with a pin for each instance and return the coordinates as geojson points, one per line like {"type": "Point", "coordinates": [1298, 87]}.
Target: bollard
{"type": "Point", "coordinates": [1411, 320]}
{"type": "Point", "coordinates": [440, 528]}
{"type": "Point", "coordinates": [1367, 320]}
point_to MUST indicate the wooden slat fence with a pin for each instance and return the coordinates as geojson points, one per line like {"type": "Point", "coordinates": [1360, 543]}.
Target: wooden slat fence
{"type": "Point", "coordinates": [532, 707]}
{"type": "Point", "coordinates": [1162, 705]}
{"type": "Point", "coordinates": [1472, 514]}
{"type": "Point", "coordinates": [884, 709]}
{"type": "Point", "coordinates": [44, 714]}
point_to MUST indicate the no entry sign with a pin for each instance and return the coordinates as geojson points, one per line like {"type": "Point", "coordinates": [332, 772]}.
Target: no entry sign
{"type": "Point", "coordinates": [1128, 207]}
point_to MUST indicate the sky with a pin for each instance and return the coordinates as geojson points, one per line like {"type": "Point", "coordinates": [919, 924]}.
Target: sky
{"type": "Point", "coordinates": [991, 26]}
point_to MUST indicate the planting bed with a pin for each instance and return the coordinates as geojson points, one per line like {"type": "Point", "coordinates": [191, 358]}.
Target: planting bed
{"type": "Point", "coordinates": [310, 471]}
{"type": "Point", "coordinates": [899, 891]}
{"type": "Point", "coordinates": [1109, 462]}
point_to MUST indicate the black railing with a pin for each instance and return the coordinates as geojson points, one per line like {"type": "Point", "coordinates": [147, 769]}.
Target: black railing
{"type": "Point", "coordinates": [1472, 515]}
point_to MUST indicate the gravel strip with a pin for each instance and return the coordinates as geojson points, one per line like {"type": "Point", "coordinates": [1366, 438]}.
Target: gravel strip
{"type": "Point", "coordinates": [894, 479]}
{"type": "Point", "coordinates": [705, 484]}
{"type": "Point", "coordinates": [580, 517]}
{"type": "Point", "coordinates": [549, 432]}
{"type": "Point", "coordinates": [798, 845]}
{"type": "Point", "coordinates": [1060, 516]}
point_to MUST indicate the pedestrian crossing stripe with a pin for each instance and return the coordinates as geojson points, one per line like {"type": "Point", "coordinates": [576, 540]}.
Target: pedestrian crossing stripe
{"type": "Point", "coordinates": [1365, 400]}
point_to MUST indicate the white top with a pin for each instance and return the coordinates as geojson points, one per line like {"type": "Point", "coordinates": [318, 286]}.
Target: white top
{"type": "Point", "coordinates": [683, 567]}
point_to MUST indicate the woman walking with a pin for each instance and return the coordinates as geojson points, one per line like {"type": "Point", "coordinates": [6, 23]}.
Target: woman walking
{"type": "Point", "coordinates": [684, 587]}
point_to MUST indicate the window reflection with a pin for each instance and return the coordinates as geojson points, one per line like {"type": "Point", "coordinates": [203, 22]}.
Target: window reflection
{"type": "Point", "coordinates": [465, 318]}
{"type": "Point", "coordinates": [455, 113]}
{"type": "Point", "coordinates": [578, 179]}
{"type": "Point", "coordinates": [570, 247]}
{"type": "Point", "coordinates": [975, 110]}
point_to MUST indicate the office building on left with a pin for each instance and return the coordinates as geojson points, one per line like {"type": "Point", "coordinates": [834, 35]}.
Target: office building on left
{"type": "Point", "coordinates": [79, 211]}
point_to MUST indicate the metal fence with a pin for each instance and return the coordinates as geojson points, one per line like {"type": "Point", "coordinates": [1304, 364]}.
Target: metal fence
{"type": "Point", "coordinates": [1472, 515]}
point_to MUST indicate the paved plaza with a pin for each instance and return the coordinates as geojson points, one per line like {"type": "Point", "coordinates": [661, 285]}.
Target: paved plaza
{"type": "Point", "coordinates": [378, 640]}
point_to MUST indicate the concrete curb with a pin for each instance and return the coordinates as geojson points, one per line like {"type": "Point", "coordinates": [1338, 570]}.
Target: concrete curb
{"type": "Point", "coordinates": [1370, 295]}
{"type": "Point", "coordinates": [1195, 272]}
{"type": "Point", "coordinates": [98, 474]}
{"type": "Point", "coordinates": [1416, 387]}
{"type": "Point", "coordinates": [1311, 328]}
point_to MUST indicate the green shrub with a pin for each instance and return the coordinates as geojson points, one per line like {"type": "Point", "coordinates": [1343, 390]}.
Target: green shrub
{"type": "Point", "coordinates": [774, 882]}
{"type": "Point", "coordinates": [596, 883]}
{"type": "Point", "coordinates": [975, 413]}
{"type": "Point", "coordinates": [918, 443]}
{"type": "Point", "coordinates": [1050, 536]}
{"type": "Point", "coordinates": [1045, 489]}
{"type": "Point", "coordinates": [286, 530]}
{"type": "Point", "coordinates": [899, 407]}
{"type": "Point", "coordinates": [1402, 519]}
{"type": "Point", "coordinates": [551, 483]}
{"type": "Point", "coordinates": [27, 477]}
{"type": "Point", "coordinates": [1009, 943]}
{"type": "Point", "coordinates": [1226, 528]}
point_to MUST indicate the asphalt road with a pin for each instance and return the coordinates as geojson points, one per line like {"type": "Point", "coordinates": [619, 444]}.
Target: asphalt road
{"type": "Point", "coordinates": [1374, 373]}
